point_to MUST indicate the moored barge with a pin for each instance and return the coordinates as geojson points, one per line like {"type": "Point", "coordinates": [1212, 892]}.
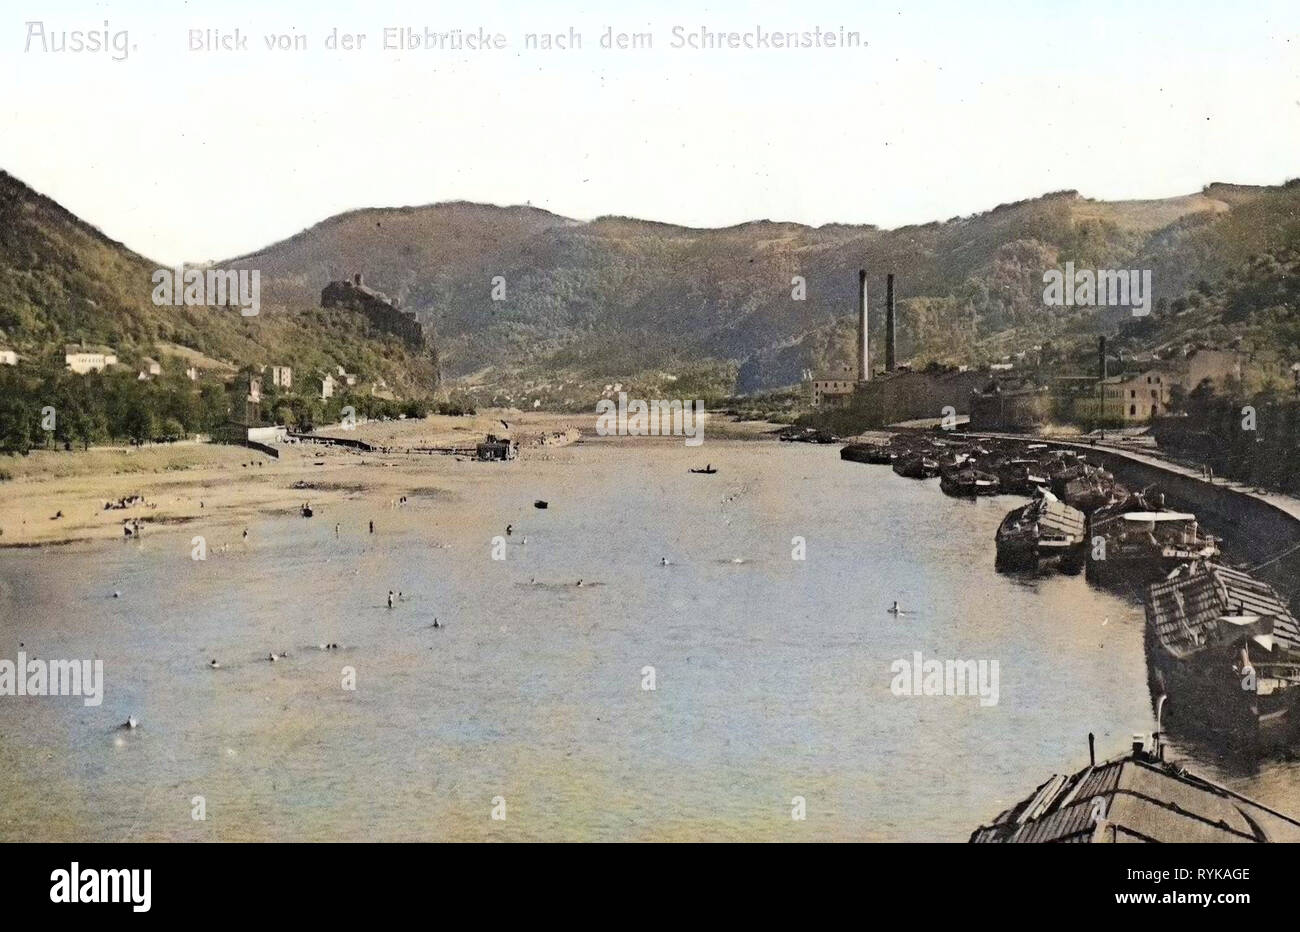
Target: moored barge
{"type": "Point", "coordinates": [967, 482]}
{"type": "Point", "coordinates": [1046, 529]}
{"type": "Point", "coordinates": [875, 453]}
{"type": "Point", "coordinates": [1133, 545]}
{"type": "Point", "coordinates": [1224, 649]}
{"type": "Point", "coordinates": [916, 466]}
{"type": "Point", "coordinates": [1139, 797]}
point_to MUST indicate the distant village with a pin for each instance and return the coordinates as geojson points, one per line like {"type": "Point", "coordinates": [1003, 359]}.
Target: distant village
{"type": "Point", "coordinates": [258, 402]}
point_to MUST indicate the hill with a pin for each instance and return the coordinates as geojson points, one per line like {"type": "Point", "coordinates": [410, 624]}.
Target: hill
{"type": "Point", "coordinates": [531, 307]}
{"type": "Point", "coordinates": [63, 281]}
{"type": "Point", "coordinates": [587, 303]}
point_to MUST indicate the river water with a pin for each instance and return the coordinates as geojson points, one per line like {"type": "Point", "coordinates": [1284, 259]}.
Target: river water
{"type": "Point", "coordinates": [771, 675]}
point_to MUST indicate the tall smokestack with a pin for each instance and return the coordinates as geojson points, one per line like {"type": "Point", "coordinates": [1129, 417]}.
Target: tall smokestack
{"type": "Point", "coordinates": [1101, 358]}
{"type": "Point", "coordinates": [890, 345]}
{"type": "Point", "coordinates": [864, 354]}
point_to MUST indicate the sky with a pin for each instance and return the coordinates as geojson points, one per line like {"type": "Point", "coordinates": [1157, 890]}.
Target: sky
{"type": "Point", "coordinates": [942, 109]}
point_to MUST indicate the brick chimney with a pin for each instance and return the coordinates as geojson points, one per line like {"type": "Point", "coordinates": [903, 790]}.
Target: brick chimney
{"type": "Point", "coordinates": [891, 347]}
{"type": "Point", "coordinates": [864, 349]}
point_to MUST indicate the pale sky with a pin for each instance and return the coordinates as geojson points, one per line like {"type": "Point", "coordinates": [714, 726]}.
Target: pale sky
{"type": "Point", "coordinates": [948, 108]}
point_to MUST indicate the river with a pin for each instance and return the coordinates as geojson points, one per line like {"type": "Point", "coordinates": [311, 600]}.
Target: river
{"type": "Point", "coordinates": [771, 675]}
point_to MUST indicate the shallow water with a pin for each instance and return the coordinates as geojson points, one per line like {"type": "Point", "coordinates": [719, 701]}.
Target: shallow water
{"type": "Point", "coordinates": [772, 675]}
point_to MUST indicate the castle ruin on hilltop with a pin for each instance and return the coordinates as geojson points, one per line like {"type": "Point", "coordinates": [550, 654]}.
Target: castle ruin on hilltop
{"type": "Point", "coordinates": [378, 308]}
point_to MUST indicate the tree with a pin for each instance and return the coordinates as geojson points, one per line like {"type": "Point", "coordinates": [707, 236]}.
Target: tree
{"type": "Point", "coordinates": [139, 424]}
{"type": "Point", "coordinates": [172, 430]}
{"type": "Point", "coordinates": [17, 418]}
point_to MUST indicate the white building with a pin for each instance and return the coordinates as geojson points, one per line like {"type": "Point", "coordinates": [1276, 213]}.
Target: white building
{"type": "Point", "coordinates": [282, 376]}
{"type": "Point", "coordinates": [275, 434]}
{"type": "Point", "coordinates": [8, 357]}
{"type": "Point", "coordinates": [1140, 397]}
{"type": "Point", "coordinates": [83, 359]}
{"type": "Point", "coordinates": [327, 386]}
{"type": "Point", "coordinates": [833, 389]}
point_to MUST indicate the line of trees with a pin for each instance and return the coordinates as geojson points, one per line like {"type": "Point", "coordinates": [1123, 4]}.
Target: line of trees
{"type": "Point", "coordinates": [50, 407]}
{"type": "Point", "coordinates": [45, 406]}
{"type": "Point", "coordinates": [1255, 440]}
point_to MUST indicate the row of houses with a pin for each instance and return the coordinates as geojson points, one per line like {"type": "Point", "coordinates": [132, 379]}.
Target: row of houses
{"type": "Point", "coordinates": [326, 384]}
{"type": "Point", "coordinates": [1010, 403]}
{"type": "Point", "coordinates": [1126, 399]}
{"type": "Point", "coordinates": [83, 359]}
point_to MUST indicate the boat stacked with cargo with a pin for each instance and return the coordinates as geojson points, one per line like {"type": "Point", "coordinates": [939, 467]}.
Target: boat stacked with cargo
{"type": "Point", "coordinates": [1137, 541]}
{"type": "Point", "coordinates": [1044, 531]}
{"type": "Point", "coordinates": [879, 454]}
{"type": "Point", "coordinates": [966, 481]}
{"type": "Point", "coordinates": [1092, 491]}
{"type": "Point", "coordinates": [1021, 476]}
{"type": "Point", "coordinates": [1224, 650]}
{"type": "Point", "coordinates": [1079, 483]}
{"type": "Point", "coordinates": [916, 466]}
{"type": "Point", "coordinates": [1138, 797]}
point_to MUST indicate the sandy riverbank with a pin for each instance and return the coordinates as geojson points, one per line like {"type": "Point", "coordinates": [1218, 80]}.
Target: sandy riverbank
{"type": "Point", "coordinates": [57, 497]}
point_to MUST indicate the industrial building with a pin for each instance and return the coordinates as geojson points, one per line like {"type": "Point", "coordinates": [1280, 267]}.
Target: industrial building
{"type": "Point", "coordinates": [896, 393]}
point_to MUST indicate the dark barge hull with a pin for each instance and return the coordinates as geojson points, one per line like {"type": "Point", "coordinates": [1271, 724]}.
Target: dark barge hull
{"type": "Point", "coordinates": [916, 468]}
{"type": "Point", "coordinates": [962, 487]}
{"type": "Point", "coordinates": [868, 453]}
{"type": "Point", "coordinates": [1028, 554]}
{"type": "Point", "coordinates": [1205, 698]}
{"type": "Point", "coordinates": [1132, 571]}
